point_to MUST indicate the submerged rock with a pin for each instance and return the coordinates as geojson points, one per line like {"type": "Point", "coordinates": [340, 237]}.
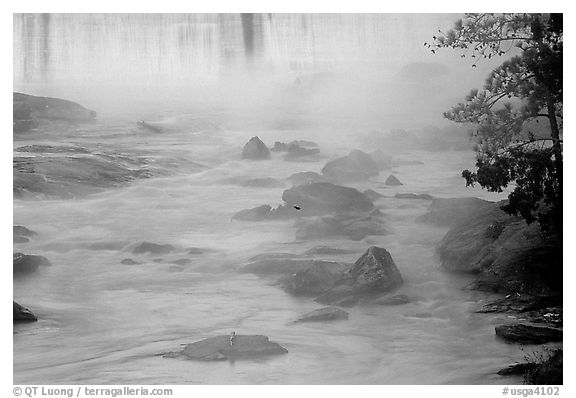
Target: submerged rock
{"type": "Point", "coordinates": [20, 230]}
{"type": "Point", "coordinates": [340, 226]}
{"type": "Point", "coordinates": [373, 274]}
{"type": "Point", "coordinates": [305, 177]}
{"type": "Point", "coordinates": [421, 196]}
{"type": "Point", "coordinates": [255, 149]}
{"type": "Point", "coordinates": [220, 348]}
{"type": "Point", "coordinates": [259, 213]}
{"type": "Point", "coordinates": [357, 165]}
{"type": "Point", "coordinates": [528, 334]}
{"type": "Point", "coordinates": [315, 280]}
{"type": "Point", "coordinates": [144, 126]}
{"type": "Point", "coordinates": [323, 315]}
{"type": "Point", "coordinates": [284, 266]}
{"type": "Point", "coordinates": [322, 198]}
{"type": "Point", "coordinates": [398, 299]}
{"type": "Point", "coordinates": [153, 248]}
{"type": "Point", "coordinates": [261, 182]}
{"type": "Point", "coordinates": [28, 263]}
{"type": "Point", "coordinates": [327, 250]}
{"type": "Point", "coordinates": [392, 180]}
{"type": "Point", "coordinates": [298, 153]}
{"type": "Point", "coordinates": [22, 314]}
{"type": "Point", "coordinates": [129, 261]}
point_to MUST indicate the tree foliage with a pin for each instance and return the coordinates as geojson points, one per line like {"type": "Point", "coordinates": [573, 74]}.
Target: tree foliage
{"type": "Point", "coordinates": [518, 112]}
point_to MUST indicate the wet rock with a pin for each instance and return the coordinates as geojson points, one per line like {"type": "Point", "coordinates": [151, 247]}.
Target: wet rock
{"type": "Point", "coordinates": [152, 248]}
{"type": "Point", "coordinates": [22, 314]}
{"type": "Point", "coordinates": [285, 266]}
{"type": "Point", "coordinates": [26, 263]}
{"type": "Point", "coordinates": [129, 261]}
{"type": "Point", "coordinates": [298, 153]}
{"type": "Point", "coordinates": [505, 251]}
{"type": "Point", "coordinates": [53, 149]}
{"type": "Point", "coordinates": [322, 198]}
{"type": "Point", "coordinates": [357, 165]}
{"type": "Point", "coordinates": [323, 315]}
{"type": "Point", "coordinates": [263, 182]}
{"type": "Point", "coordinates": [315, 280]}
{"type": "Point", "coordinates": [327, 250]}
{"type": "Point", "coordinates": [372, 195]}
{"type": "Point", "coordinates": [340, 226]}
{"type": "Point", "coordinates": [373, 274]}
{"type": "Point", "coordinates": [517, 369]}
{"type": "Point", "coordinates": [20, 239]}
{"type": "Point", "coordinates": [52, 108]}
{"type": "Point", "coordinates": [528, 334]}
{"type": "Point", "coordinates": [259, 213]}
{"type": "Point", "coordinates": [255, 149]}
{"type": "Point", "coordinates": [421, 196]}
{"type": "Point", "coordinates": [285, 147]}
{"type": "Point", "coordinates": [521, 303]}
{"type": "Point", "coordinates": [398, 299]}
{"type": "Point", "coordinates": [447, 212]}
{"type": "Point", "coordinates": [305, 177]}
{"type": "Point", "coordinates": [144, 126]}
{"type": "Point", "coordinates": [182, 261]}
{"type": "Point", "coordinates": [392, 181]}
{"type": "Point", "coordinates": [219, 348]}
{"type": "Point", "coordinates": [194, 250]}
{"type": "Point", "coordinates": [547, 371]}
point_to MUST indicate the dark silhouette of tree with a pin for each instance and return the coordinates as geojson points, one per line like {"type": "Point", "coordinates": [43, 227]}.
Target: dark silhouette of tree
{"type": "Point", "coordinates": [513, 146]}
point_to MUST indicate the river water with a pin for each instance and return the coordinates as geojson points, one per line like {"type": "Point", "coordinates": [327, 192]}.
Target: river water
{"type": "Point", "coordinates": [102, 322]}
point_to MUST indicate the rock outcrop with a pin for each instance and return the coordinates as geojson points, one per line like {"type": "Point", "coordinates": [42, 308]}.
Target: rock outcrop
{"type": "Point", "coordinates": [255, 149]}
{"type": "Point", "coordinates": [372, 275]}
{"type": "Point", "coordinates": [305, 177]}
{"type": "Point", "coordinates": [448, 212]}
{"type": "Point", "coordinates": [224, 347]}
{"type": "Point", "coordinates": [323, 315]}
{"type": "Point", "coordinates": [528, 334]}
{"type": "Point", "coordinates": [27, 263]}
{"type": "Point", "coordinates": [21, 234]}
{"type": "Point", "coordinates": [22, 314]}
{"type": "Point", "coordinates": [357, 165]}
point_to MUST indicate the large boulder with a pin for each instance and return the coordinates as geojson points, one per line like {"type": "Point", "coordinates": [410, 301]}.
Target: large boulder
{"type": "Point", "coordinates": [372, 275]}
{"type": "Point", "coordinates": [305, 177]}
{"type": "Point", "coordinates": [22, 314]}
{"type": "Point", "coordinates": [321, 198]}
{"type": "Point", "coordinates": [27, 263]}
{"type": "Point", "coordinates": [50, 108]}
{"type": "Point", "coordinates": [258, 213]}
{"type": "Point", "coordinates": [315, 280]}
{"type": "Point", "coordinates": [528, 334]}
{"type": "Point", "coordinates": [255, 149]}
{"type": "Point", "coordinates": [357, 165]}
{"type": "Point", "coordinates": [225, 347]}
{"type": "Point", "coordinates": [392, 180]}
{"type": "Point", "coordinates": [323, 315]}
{"type": "Point", "coordinates": [505, 251]}
{"type": "Point", "coordinates": [447, 212]}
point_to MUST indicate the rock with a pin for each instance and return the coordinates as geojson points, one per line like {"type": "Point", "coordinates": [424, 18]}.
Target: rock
{"type": "Point", "coordinates": [219, 348]}
{"type": "Point", "coordinates": [20, 239]}
{"type": "Point", "coordinates": [263, 182]}
{"type": "Point", "coordinates": [129, 261]}
{"type": "Point", "coordinates": [451, 211]}
{"type": "Point", "coordinates": [285, 266]}
{"type": "Point", "coordinates": [528, 334]}
{"type": "Point", "coordinates": [521, 303]}
{"type": "Point", "coordinates": [142, 125]}
{"type": "Point", "coordinates": [322, 198]}
{"type": "Point", "coordinates": [373, 274]}
{"type": "Point", "coordinates": [357, 165]}
{"type": "Point", "coordinates": [51, 108]}
{"type": "Point", "coordinates": [548, 371]}
{"type": "Point", "coordinates": [255, 214]}
{"type": "Point", "coordinates": [315, 280]}
{"type": "Point", "coordinates": [297, 153]}
{"type": "Point", "coordinates": [326, 250]}
{"type": "Point", "coordinates": [421, 196]}
{"type": "Point", "coordinates": [340, 226]}
{"type": "Point", "coordinates": [372, 195]}
{"type": "Point", "coordinates": [323, 315]}
{"type": "Point", "coordinates": [383, 160]}
{"type": "Point", "coordinates": [182, 261]}
{"type": "Point", "coordinates": [305, 177]}
{"type": "Point", "coordinates": [504, 251]}
{"type": "Point", "coordinates": [517, 369]}
{"type": "Point", "coordinates": [53, 149]}
{"type": "Point", "coordinates": [64, 176]}
{"type": "Point", "coordinates": [25, 263]}
{"type": "Point", "coordinates": [392, 181]}
{"type": "Point", "coordinates": [194, 250]}
{"type": "Point", "coordinates": [22, 314]}
{"type": "Point", "coordinates": [285, 147]}
{"type": "Point", "coordinates": [21, 234]}
{"type": "Point", "coordinates": [152, 248]}
{"type": "Point", "coordinates": [399, 299]}
{"type": "Point", "coordinates": [255, 149]}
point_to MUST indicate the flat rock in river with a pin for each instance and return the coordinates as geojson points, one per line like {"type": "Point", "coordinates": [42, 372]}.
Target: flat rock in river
{"type": "Point", "coordinates": [219, 348]}
{"type": "Point", "coordinates": [323, 315]}
{"type": "Point", "coordinates": [528, 334]}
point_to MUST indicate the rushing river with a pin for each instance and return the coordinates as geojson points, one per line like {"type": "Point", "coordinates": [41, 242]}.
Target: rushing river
{"type": "Point", "coordinates": [102, 322]}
